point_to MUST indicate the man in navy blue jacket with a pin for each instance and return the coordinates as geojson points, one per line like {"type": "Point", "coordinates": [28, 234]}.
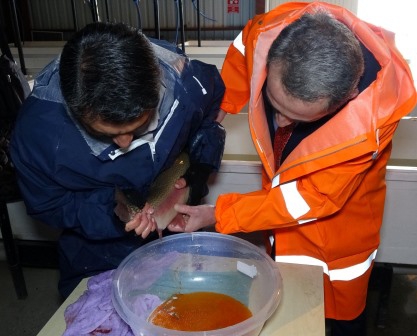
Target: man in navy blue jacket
{"type": "Point", "coordinates": [112, 112]}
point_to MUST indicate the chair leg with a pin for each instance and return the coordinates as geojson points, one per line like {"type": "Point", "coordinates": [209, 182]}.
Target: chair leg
{"type": "Point", "coordinates": [11, 253]}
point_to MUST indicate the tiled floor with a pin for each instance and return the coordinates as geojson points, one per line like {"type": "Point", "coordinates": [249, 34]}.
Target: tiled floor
{"type": "Point", "coordinates": [27, 317]}
{"type": "Point", "coordinates": [401, 316]}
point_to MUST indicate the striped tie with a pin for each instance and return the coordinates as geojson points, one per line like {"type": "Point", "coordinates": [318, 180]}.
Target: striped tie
{"type": "Point", "coordinates": [282, 135]}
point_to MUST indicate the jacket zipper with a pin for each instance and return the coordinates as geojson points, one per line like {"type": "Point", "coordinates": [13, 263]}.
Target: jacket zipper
{"type": "Point", "coordinates": [344, 148]}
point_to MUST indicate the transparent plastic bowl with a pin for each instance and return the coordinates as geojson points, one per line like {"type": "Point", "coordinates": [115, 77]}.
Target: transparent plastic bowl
{"type": "Point", "coordinates": [193, 262]}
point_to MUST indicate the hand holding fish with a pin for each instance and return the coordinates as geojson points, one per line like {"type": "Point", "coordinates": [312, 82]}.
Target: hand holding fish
{"type": "Point", "coordinates": [168, 189]}
{"type": "Point", "coordinates": [176, 185]}
{"type": "Point", "coordinates": [142, 222]}
{"type": "Point", "coordinates": [195, 217]}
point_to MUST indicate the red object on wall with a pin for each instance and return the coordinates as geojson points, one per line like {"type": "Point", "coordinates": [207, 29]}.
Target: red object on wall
{"type": "Point", "coordinates": [232, 6]}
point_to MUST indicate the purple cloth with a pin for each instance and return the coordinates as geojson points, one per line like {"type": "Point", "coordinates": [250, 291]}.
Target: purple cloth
{"type": "Point", "coordinates": [93, 313]}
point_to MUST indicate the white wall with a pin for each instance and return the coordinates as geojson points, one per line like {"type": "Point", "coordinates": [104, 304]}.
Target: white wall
{"type": "Point", "coordinates": [238, 139]}
{"type": "Point", "coordinates": [405, 139]}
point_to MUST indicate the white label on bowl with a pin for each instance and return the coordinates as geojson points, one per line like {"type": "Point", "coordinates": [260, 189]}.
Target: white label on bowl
{"type": "Point", "coordinates": [249, 270]}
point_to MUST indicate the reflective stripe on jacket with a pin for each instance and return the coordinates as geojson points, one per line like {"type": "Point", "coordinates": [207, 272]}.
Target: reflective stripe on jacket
{"type": "Point", "coordinates": [325, 203]}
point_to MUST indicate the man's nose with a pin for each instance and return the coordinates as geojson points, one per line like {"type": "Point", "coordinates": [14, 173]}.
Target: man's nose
{"type": "Point", "coordinates": [123, 140]}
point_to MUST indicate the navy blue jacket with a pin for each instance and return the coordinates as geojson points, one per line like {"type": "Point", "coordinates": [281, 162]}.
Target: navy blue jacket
{"type": "Point", "coordinates": [68, 178]}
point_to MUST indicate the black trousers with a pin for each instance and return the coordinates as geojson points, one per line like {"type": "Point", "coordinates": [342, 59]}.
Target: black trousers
{"type": "Point", "coordinates": [355, 327]}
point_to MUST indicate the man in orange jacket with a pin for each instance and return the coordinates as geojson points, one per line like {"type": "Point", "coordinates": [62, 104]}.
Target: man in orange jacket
{"type": "Point", "coordinates": [342, 86]}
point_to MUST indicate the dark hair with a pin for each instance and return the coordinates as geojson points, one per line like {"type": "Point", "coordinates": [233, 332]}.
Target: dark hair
{"type": "Point", "coordinates": [319, 57]}
{"type": "Point", "coordinates": [108, 71]}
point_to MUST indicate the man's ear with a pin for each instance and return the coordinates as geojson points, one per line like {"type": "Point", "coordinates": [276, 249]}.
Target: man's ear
{"type": "Point", "coordinates": [354, 94]}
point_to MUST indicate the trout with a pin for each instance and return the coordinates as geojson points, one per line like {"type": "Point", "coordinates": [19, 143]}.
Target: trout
{"type": "Point", "coordinates": [163, 195]}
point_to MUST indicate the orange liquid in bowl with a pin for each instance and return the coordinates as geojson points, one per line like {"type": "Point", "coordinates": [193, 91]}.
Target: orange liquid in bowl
{"type": "Point", "coordinates": [199, 311]}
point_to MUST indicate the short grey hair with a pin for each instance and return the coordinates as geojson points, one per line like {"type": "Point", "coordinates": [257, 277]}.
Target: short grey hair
{"type": "Point", "coordinates": [319, 57]}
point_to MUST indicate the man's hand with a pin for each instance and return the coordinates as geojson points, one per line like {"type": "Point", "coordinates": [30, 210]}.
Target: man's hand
{"type": "Point", "coordinates": [142, 222]}
{"type": "Point", "coordinates": [181, 183]}
{"type": "Point", "coordinates": [194, 218]}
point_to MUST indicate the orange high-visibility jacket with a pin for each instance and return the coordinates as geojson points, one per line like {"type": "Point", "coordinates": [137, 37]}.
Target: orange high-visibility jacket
{"type": "Point", "coordinates": [326, 201]}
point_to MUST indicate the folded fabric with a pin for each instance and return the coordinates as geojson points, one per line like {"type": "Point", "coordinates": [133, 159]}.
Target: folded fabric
{"type": "Point", "coordinates": [93, 313]}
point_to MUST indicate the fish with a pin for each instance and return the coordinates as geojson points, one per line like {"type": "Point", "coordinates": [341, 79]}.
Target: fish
{"type": "Point", "coordinates": [163, 195]}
